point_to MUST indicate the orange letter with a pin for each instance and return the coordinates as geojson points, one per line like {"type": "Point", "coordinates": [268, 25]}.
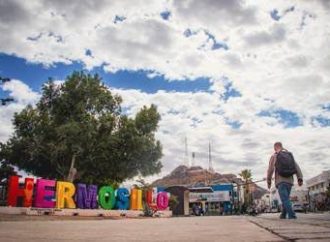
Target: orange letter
{"type": "Point", "coordinates": [136, 199]}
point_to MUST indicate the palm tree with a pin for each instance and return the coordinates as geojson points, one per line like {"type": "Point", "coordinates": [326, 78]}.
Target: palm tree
{"type": "Point", "coordinates": [246, 175]}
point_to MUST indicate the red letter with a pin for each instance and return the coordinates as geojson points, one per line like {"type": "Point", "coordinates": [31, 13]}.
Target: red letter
{"type": "Point", "coordinates": [14, 191]}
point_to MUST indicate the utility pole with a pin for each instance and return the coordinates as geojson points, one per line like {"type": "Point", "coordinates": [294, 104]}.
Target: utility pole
{"type": "Point", "coordinates": [209, 173]}
{"type": "Point", "coordinates": [193, 159]}
{"type": "Point", "coordinates": [210, 159]}
{"type": "Point", "coordinates": [186, 158]}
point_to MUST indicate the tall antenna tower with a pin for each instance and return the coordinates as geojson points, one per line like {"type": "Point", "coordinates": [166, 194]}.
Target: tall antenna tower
{"type": "Point", "coordinates": [210, 159]}
{"type": "Point", "coordinates": [193, 159]}
{"type": "Point", "coordinates": [186, 158]}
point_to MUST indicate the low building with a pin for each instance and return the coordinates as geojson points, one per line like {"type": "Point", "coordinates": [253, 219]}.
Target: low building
{"type": "Point", "coordinates": [263, 204]}
{"type": "Point", "coordinates": [213, 200]}
{"type": "Point", "coordinates": [275, 200]}
{"type": "Point", "coordinates": [317, 189]}
{"type": "Point", "coordinates": [319, 184]}
{"type": "Point", "coordinates": [182, 195]}
{"type": "Point", "coordinates": [298, 195]}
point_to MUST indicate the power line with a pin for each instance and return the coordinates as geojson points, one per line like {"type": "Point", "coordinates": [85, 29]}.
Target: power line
{"type": "Point", "coordinates": [249, 182]}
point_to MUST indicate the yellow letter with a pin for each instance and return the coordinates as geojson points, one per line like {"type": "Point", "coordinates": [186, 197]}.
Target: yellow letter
{"type": "Point", "coordinates": [64, 193]}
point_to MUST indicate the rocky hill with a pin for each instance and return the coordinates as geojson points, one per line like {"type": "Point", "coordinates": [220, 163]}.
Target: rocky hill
{"type": "Point", "coordinates": [197, 176]}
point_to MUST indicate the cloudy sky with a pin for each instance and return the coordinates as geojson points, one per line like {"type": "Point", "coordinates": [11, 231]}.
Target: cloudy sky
{"type": "Point", "coordinates": [241, 74]}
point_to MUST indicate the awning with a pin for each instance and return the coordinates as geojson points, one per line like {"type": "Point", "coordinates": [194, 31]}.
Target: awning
{"type": "Point", "coordinates": [201, 189]}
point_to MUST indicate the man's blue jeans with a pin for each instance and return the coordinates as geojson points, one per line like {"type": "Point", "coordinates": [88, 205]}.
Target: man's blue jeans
{"type": "Point", "coordinates": [284, 190]}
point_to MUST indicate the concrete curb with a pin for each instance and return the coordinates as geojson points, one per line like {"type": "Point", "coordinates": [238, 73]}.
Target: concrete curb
{"type": "Point", "coordinates": [80, 212]}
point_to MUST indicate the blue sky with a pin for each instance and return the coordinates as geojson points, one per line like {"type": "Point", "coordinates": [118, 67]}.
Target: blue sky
{"type": "Point", "coordinates": [241, 74]}
{"type": "Point", "coordinates": [36, 74]}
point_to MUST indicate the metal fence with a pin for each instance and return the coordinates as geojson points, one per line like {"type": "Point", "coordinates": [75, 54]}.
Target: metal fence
{"type": "Point", "coordinates": [3, 194]}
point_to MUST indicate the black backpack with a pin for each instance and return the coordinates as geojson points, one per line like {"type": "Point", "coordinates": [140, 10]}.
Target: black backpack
{"type": "Point", "coordinates": [285, 164]}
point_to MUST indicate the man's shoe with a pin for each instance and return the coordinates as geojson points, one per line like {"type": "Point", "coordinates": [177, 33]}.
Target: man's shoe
{"type": "Point", "coordinates": [282, 216]}
{"type": "Point", "coordinates": [294, 217]}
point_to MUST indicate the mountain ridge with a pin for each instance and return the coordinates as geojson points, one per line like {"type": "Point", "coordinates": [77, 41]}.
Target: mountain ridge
{"type": "Point", "coordinates": [196, 176]}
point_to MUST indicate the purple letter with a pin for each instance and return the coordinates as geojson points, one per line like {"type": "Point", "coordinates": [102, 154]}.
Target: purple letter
{"type": "Point", "coordinates": [86, 197]}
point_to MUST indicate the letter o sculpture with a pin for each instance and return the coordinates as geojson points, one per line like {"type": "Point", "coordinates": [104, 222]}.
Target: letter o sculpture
{"type": "Point", "coordinates": [162, 200]}
{"type": "Point", "coordinates": [107, 197]}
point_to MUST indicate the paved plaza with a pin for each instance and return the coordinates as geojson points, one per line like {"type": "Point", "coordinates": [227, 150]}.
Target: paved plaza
{"type": "Point", "coordinates": [308, 227]}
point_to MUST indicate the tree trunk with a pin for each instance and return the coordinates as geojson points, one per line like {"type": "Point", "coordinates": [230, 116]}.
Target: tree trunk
{"type": "Point", "coordinates": [73, 170]}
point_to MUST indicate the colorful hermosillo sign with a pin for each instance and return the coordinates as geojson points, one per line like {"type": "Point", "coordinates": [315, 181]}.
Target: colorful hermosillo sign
{"type": "Point", "coordinates": [60, 194]}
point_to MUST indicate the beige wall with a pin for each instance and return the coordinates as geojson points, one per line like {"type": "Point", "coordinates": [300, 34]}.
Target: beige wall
{"type": "Point", "coordinates": [186, 203]}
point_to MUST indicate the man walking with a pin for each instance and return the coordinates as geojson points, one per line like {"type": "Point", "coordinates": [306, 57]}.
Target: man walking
{"type": "Point", "coordinates": [284, 165]}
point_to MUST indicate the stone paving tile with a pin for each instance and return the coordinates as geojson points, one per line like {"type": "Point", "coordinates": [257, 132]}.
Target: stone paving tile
{"type": "Point", "coordinates": [303, 229]}
{"type": "Point", "coordinates": [217, 228]}
{"type": "Point", "coordinates": [306, 235]}
{"type": "Point", "coordinates": [312, 240]}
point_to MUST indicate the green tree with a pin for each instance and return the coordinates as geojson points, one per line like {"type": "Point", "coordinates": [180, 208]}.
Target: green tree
{"type": "Point", "coordinates": [79, 126]}
{"type": "Point", "coordinates": [148, 210]}
{"type": "Point", "coordinates": [6, 170]}
{"type": "Point", "coordinates": [246, 175]}
{"type": "Point", "coordinates": [173, 202]}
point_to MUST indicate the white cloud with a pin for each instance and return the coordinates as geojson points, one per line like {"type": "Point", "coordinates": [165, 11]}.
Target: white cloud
{"type": "Point", "coordinates": [275, 65]}
{"type": "Point", "coordinates": [22, 96]}
{"type": "Point", "coordinates": [275, 34]}
{"type": "Point", "coordinates": [201, 117]}
{"type": "Point", "coordinates": [21, 92]}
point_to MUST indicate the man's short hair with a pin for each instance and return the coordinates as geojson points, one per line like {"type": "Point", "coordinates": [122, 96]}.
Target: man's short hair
{"type": "Point", "coordinates": [278, 144]}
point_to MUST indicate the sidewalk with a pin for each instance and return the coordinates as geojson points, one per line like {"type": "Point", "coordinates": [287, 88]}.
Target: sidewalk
{"type": "Point", "coordinates": [266, 227]}
{"type": "Point", "coordinates": [228, 228]}
{"type": "Point", "coordinates": [308, 227]}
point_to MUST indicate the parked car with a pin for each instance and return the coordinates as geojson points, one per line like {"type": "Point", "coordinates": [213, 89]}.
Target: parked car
{"type": "Point", "coordinates": [274, 210]}
{"type": "Point", "coordinates": [298, 208]}
{"type": "Point", "coordinates": [252, 211]}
